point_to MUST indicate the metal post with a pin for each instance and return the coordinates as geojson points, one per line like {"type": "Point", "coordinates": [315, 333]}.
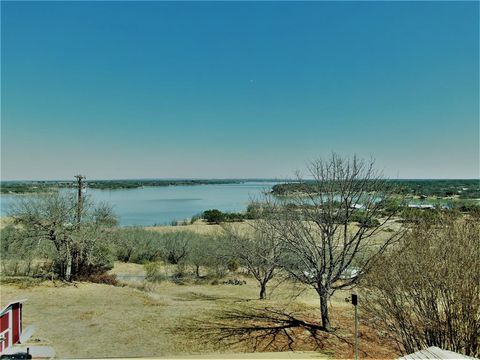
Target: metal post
{"type": "Point", "coordinates": [355, 303]}
{"type": "Point", "coordinates": [356, 334]}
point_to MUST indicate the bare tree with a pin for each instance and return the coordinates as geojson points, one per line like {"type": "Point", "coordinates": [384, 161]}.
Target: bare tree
{"type": "Point", "coordinates": [176, 247]}
{"type": "Point", "coordinates": [207, 251]}
{"type": "Point", "coordinates": [258, 251]}
{"type": "Point", "coordinates": [51, 218]}
{"type": "Point", "coordinates": [426, 291]}
{"type": "Point", "coordinates": [331, 232]}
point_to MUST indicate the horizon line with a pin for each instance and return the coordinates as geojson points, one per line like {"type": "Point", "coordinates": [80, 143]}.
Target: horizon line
{"type": "Point", "coordinates": [213, 178]}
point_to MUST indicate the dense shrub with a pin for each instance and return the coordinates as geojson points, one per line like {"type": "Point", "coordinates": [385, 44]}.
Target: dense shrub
{"type": "Point", "coordinates": [425, 291]}
{"type": "Point", "coordinates": [213, 216]}
{"type": "Point", "coordinates": [232, 216]}
{"type": "Point", "coordinates": [216, 216]}
{"type": "Point", "coordinates": [28, 267]}
{"type": "Point", "coordinates": [153, 272]}
{"type": "Point", "coordinates": [137, 245]}
{"type": "Point", "coordinates": [414, 215]}
{"type": "Point", "coordinates": [233, 264]}
{"type": "Point", "coordinates": [368, 222]}
{"type": "Point", "coordinates": [24, 256]}
{"type": "Point", "coordinates": [253, 211]}
{"type": "Point", "coordinates": [467, 206]}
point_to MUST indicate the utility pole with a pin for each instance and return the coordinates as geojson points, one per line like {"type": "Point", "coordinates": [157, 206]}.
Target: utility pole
{"type": "Point", "coordinates": [80, 186]}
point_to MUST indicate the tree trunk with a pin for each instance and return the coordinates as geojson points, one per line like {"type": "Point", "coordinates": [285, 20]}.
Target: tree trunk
{"type": "Point", "coordinates": [68, 269]}
{"type": "Point", "coordinates": [263, 291]}
{"type": "Point", "coordinates": [197, 270]}
{"type": "Point", "coordinates": [324, 309]}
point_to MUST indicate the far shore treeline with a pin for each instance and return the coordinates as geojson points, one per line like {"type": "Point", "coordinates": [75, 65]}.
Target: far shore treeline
{"type": "Point", "coordinates": [439, 188]}
{"type": "Point", "coordinates": [37, 186]}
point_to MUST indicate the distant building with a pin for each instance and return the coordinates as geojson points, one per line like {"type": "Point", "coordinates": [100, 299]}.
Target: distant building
{"type": "Point", "coordinates": [358, 206]}
{"type": "Point", "coordinates": [421, 206]}
{"type": "Point", "coordinates": [349, 273]}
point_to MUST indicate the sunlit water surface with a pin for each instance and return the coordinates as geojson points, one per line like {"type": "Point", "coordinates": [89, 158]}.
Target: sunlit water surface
{"type": "Point", "coordinates": [162, 205]}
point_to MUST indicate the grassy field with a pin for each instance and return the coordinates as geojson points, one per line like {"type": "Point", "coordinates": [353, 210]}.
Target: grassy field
{"type": "Point", "coordinates": [201, 227]}
{"type": "Point", "coordinates": [146, 319]}
{"type": "Point", "coordinates": [167, 319]}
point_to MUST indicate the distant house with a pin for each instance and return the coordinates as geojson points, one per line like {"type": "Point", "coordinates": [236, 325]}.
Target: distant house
{"type": "Point", "coordinates": [310, 274]}
{"type": "Point", "coordinates": [349, 273]}
{"type": "Point", "coordinates": [421, 206]}
{"type": "Point", "coordinates": [10, 324]}
{"type": "Point", "coordinates": [358, 207]}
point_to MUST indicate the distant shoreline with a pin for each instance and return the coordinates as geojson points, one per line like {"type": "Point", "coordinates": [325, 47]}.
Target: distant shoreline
{"type": "Point", "coordinates": [446, 189]}
{"type": "Point", "coordinates": [37, 187]}
{"type": "Point", "coordinates": [415, 189]}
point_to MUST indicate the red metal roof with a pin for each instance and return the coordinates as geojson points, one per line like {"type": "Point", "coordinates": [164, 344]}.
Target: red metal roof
{"type": "Point", "coordinates": [4, 310]}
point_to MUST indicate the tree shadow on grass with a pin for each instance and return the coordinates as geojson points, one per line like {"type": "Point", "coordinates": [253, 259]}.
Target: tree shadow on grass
{"type": "Point", "coordinates": [263, 329]}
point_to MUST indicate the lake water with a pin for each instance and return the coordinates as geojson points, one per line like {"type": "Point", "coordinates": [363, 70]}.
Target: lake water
{"type": "Point", "coordinates": [162, 205]}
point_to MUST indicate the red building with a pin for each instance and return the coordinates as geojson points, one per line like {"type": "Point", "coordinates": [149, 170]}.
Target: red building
{"type": "Point", "coordinates": [10, 324]}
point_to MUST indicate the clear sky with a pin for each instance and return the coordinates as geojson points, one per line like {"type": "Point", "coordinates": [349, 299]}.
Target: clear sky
{"type": "Point", "coordinates": [245, 89]}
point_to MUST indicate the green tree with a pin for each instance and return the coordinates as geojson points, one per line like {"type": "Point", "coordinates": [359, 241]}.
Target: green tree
{"type": "Point", "coordinates": [214, 216]}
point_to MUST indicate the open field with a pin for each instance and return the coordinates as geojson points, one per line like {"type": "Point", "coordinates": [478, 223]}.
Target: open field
{"type": "Point", "coordinates": [165, 319]}
{"type": "Point", "coordinates": [203, 228]}
{"type": "Point", "coordinates": [199, 227]}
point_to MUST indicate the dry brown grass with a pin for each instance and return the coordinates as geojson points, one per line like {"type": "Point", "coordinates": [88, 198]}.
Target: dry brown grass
{"type": "Point", "coordinates": [203, 228]}
{"type": "Point", "coordinates": [199, 227]}
{"type": "Point", "coordinates": [127, 268]}
{"type": "Point", "coordinates": [94, 320]}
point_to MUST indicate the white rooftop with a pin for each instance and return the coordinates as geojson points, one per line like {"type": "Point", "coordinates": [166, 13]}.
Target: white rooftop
{"type": "Point", "coordinates": [434, 352]}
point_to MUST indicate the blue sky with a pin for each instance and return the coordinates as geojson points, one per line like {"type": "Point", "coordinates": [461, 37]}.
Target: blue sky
{"type": "Point", "coordinates": [244, 89]}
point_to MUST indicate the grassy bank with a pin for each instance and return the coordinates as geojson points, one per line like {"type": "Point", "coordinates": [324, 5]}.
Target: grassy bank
{"type": "Point", "coordinates": [165, 319]}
